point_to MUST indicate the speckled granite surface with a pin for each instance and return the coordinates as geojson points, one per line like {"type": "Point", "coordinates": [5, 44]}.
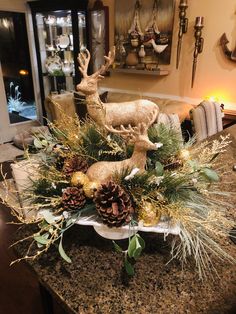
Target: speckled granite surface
{"type": "Point", "coordinates": [94, 282]}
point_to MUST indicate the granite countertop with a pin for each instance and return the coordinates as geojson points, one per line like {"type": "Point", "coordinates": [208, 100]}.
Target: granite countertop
{"type": "Point", "coordinates": [95, 283]}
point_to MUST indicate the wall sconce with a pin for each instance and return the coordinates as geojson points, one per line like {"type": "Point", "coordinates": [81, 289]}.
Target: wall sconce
{"type": "Point", "coordinates": [183, 27]}
{"type": "Point", "coordinates": [198, 44]}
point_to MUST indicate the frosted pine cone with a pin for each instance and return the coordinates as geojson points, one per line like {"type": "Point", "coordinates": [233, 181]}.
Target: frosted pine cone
{"type": "Point", "coordinates": [73, 164]}
{"type": "Point", "coordinates": [113, 204]}
{"type": "Point", "coordinates": [73, 198]}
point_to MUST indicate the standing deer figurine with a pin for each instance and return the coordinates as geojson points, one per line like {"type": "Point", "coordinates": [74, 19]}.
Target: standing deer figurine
{"type": "Point", "coordinates": [103, 171]}
{"type": "Point", "coordinates": [114, 114]}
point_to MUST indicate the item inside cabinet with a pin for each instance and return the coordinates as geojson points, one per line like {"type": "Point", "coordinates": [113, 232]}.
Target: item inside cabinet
{"type": "Point", "coordinates": [57, 48]}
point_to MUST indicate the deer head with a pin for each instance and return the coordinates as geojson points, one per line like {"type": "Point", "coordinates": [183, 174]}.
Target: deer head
{"type": "Point", "coordinates": [88, 84]}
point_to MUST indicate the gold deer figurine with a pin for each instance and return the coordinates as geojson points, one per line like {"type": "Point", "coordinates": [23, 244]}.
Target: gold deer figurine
{"type": "Point", "coordinates": [103, 171]}
{"type": "Point", "coordinates": [114, 114]}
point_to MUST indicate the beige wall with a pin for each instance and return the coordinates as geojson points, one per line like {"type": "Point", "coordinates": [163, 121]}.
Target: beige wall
{"type": "Point", "coordinates": [13, 5]}
{"type": "Point", "coordinates": [216, 76]}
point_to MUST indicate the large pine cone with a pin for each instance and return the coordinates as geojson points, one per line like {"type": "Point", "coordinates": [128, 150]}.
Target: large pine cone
{"type": "Point", "coordinates": [73, 164]}
{"type": "Point", "coordinates": [73, 198]}
{"type": "Point", "coordinates": [113, 204]}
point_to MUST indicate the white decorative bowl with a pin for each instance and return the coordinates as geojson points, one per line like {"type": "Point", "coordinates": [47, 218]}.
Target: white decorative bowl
{"type": "Point", "coordinates": [124, 232]}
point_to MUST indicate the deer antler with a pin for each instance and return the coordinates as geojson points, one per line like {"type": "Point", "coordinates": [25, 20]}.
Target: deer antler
{"type": "Point", "coordinates": [128, 133]}
{"type": "Point", "coordinates": [109, 60]}
{"type": "Point", "coordinates": [83, 59]}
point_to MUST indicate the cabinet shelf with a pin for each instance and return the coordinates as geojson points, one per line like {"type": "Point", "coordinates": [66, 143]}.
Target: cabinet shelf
{"type": "Point", "coordinates": [158, 72]}
{"type": "Point", "coordinates": [49, 75]}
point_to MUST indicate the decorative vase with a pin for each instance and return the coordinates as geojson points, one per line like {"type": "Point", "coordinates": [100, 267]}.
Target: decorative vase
{"type": "Point", "coordinates": [142, 52]}
{"type": "Point", "coordinates": [134, 42]}
{"type": "Point", "coordinates": [131, 59]}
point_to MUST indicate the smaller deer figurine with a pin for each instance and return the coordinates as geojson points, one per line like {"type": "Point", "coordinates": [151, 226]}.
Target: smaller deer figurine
{"type": "Point", "coordinates": [114, 114]}
{"type": "Point", "coordinates": [103, 171]}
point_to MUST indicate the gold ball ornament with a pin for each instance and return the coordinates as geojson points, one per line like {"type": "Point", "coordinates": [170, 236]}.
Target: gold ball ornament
{"type": "Point", "coordinates": [90, 188]}
{"type": "Point", "coordinates": [79, 178]}
{"type": "Point", "coordinates": [184, 154]}
{"type": "Point", "coordinates": [149, 214]}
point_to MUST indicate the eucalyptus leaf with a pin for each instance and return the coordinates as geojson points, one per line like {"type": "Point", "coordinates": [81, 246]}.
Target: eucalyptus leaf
{"type": "Point", "coordinates": [117, 247]}
{"type": "Point", "coordinates": [132, 246]}
{"type": "Point", "coordinates": [43, 224]}
{"type": "Point", "coordinates": [62, 252]}
{"type": "Point", "coordinates": [138, 249]}
{"type": "Point", "coordinates": [44, 142]}
{"type": "Point", "coordinates": [210, 174]}
{"type": "Point", "coordinates": [41, 239]}
{"type": "Point", "coordinates": [159, 168]}
{"type": "Point", "coordinates": [37, 143]}
{"type": "Point", "coordinates": [49, 217]}
{"type": "Point", "coordinates": [129, 268]}
{"type": "Point", "coordinates": [141, 241]}
{"type": "Point", "coordinates": [136, 245]}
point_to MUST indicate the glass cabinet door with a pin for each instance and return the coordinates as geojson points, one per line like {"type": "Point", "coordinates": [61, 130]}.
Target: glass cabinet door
{"type": "Point", "coordinates": [56, 48]}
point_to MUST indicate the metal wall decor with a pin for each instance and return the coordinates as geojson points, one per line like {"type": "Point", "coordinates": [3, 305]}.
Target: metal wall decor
{"type": "Point", "coordinates": [198, 44]}
{"type": "Point", "coordinates": [143, 34]}
{"type": "Point", "coordinates": [231, 55]}
{"type": "Point", "coordinates": [183, 27]}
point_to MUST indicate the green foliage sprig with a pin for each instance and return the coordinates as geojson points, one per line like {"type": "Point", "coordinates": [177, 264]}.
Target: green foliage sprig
{"type": "Point", "coordinates": [98, 145]}
{"type": "Point", "coordinates": [171, 140]}
{"type": "Point", "coordinates": [132, 253]}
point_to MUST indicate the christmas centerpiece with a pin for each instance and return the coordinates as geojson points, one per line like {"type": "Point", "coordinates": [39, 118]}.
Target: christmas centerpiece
{"type": "Point", "coordinates": [123, 173]}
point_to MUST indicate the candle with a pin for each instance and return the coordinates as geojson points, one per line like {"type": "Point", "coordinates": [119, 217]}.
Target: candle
{"type": "Point", "coordinates": [183, 2]}
{"type": "Point", "coordinates": [199, 21]}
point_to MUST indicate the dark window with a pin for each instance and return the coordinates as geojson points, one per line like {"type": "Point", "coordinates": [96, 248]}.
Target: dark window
{"type": "Point", "coordinates": [16, 67]}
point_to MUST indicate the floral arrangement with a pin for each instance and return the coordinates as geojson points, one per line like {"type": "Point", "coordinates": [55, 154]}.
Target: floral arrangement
{"type": "Point", "coordinates": [180, 186]}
